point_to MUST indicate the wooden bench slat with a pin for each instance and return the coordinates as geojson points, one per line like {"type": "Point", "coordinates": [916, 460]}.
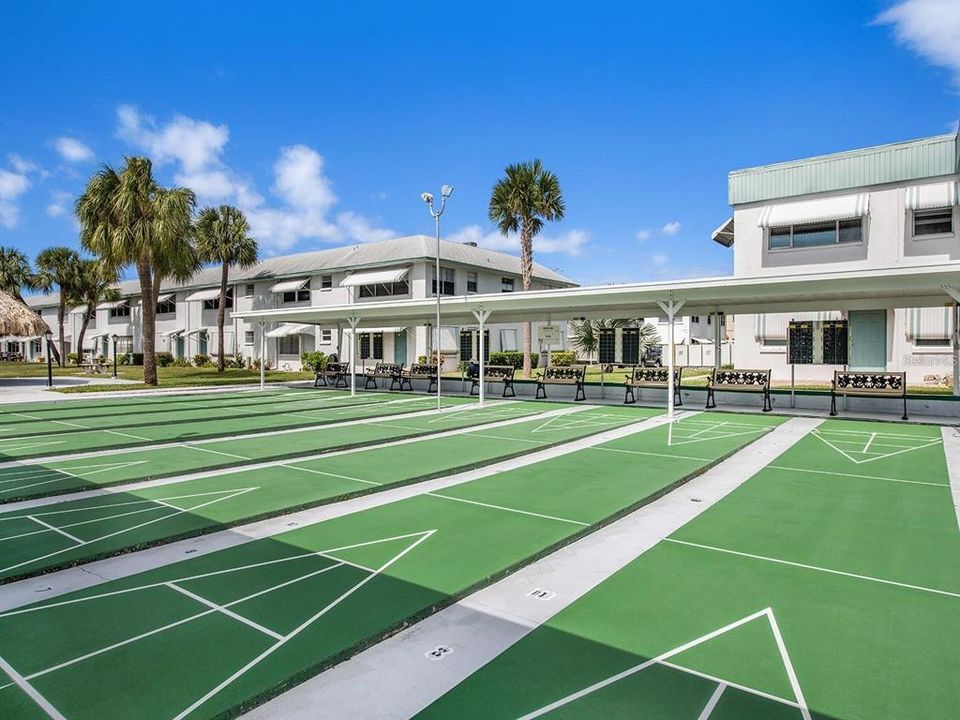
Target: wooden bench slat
{"type": "Point", "coordinates": [494, 373]}
{"type": "Point", "coordinates": [754, 381]}
{"type": "Point", "coordinates": [562, 375]}
{"type": "Point", "coordinates": [642, 376]}
{"type": "Point", "coordinates": [868, 384]}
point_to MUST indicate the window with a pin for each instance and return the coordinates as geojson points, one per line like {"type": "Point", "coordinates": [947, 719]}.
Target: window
{"type": "Point", "coordinates": [248, 337]}
{"type": "Point", "coordinates": [819, 234]}
{"type": "Point", "coordinates": [326, 337]}
{"type": "Point", "coordinates": [120, 311]}
{"type": "Point", "coordinates": [694, 318]}
{"type": "Point", "coordinates": [36, 347]}
{"type": "Point", "coordinates": [506, 284]}
{"type": "Point", "coordinates": [326, 282]}
{"type": "Point", "coordinates": [387, 289]}
{"type": "Point", "coordinates": [631, 346]}
{"type": "Point", "coordinates": [167, 307]}
{"type": "Point", "coordinates": [508, 340]}
{"type": "Point", "coordinates": [215, 303]}
{"type": "Point", "coordinates": [249, 290]}
{"type": "Point", "coordinates": [933, 222]}
{"type": "Point", "coordinates": [466, 345]}
{"type": "Point", "coordinates": [932, 342]}
{"type": "Point", "coordinates": [295, 296]}
{"type": "Point", "coordinates": [288, 345]}
{"type": "Point", "coordinates": [371, 342]}
{"type": "Point", "coordinates": [446, 282]}
{"type": "Point", "coordinates": [608, 344]}
{"type": "Point", "coordinates": [471, 282]}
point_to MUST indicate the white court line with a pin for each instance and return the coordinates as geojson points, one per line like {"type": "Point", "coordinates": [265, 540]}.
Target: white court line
{"type": "Point", "coordinates": [31, 691]}
{"type": "Point", "coordinates": [55, 529]}
{"type": "Point", "coordinates": [736, 686]}
{"type": "Point", "coordinates": [855, 475]}
{"type": "Point", "coordinates": [128, 435]}
{"type": "Point", "coordinates": [866, 448]}
{"type": "Point", "coordinates": [712, 702]}
{"type": "Point", "coordinates": [653, 454]}
{"type": "Point", "coordinates": [508, 509]}
{"type": "Point", "coordinates": [226, 611]}
{"type": "Point", "coordinates": [512, 439]}
{"type": "Point", "coordinates": [215, 452]}
{"type": "Point", "coordinates": [817, 568]}
{"type": "Point", "coordinates": [71, 424]}
{"type": "Point", "coordinates": [330, 474]}
{"type": "Point", "coordinates": [29, 417]}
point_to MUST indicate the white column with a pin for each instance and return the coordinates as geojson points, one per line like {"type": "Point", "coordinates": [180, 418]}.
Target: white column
{"type": "Point", "coordinates": [670, 307]}
{"type": "Point", "coordinates": [263, 354]}
{"type": "Point", "coordinates": [354, 321]}
{"type": "Point", "coordinates": [481, 315]}
{"type": "Point", "coordinates": [717, 340]}
{"type": "Point", "coordinates": [954, 292]}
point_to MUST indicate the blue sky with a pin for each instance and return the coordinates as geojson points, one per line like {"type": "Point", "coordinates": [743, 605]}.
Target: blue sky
{"type": "Point", "coordinates": [326, 121]}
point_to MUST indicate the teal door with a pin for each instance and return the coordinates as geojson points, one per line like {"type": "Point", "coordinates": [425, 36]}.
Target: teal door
{"type": "Point", "coordinates": [400, 347]}
{"type": "Point", "coordinates": [179, 346]}
{"type": "Point", "coordinates": [868, 339]}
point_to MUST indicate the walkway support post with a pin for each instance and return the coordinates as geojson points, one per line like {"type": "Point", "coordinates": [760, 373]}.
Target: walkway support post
{"type": "Point", "coordinates": [717, 340]}
{"type": "Point", "coordinates": [354, 321]}
{"type": "Point", "coordinates": [263, 355]}
{"type": "Point", "coordinates": [671, 307]}
{"type": "Point", "coordinates": [481, 315]}
{"type": "Point", "coordinates": [954, 292]}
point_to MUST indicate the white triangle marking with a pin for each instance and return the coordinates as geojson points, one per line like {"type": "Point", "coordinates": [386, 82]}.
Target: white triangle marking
{"type": "Point", "coordinates": [930, 442]}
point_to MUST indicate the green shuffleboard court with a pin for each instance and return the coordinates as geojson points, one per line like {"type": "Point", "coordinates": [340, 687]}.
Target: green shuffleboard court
{"type": "Point", "coordinates": [207, 636]}
{"type": "Point", "coordinates": [70, 531]}
{"type": "Point", "coordinates": [110, 467]}
{"type": "Point", "coordinates": [826, 587]}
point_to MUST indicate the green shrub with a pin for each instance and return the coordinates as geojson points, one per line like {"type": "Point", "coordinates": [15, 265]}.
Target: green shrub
{"type": "Point", "coordinates": [313, 361]}
{"type": "Point", "coordinates": [421, 359]}
{"type": "Point", "coordinates": [256, 364]}
{"type": "Point", "coordinates": [163, 359]}
{"type": "Point", "coordinates": [72, 358]}
{"type": "Point", "coordinates": [236, 361]}
{"type": "Point", "coordinates": [201, 360]}
{"type": "Point", "coordinates": [123, 359]}
{"type": "Point", "coordinates": [180, 362]}
{"type": "Point", "coordinates": [563, 358]}
{"type": "Point", "coordinates": [512, 358]}
{"type": "Point", "coordinates": [136, 358]}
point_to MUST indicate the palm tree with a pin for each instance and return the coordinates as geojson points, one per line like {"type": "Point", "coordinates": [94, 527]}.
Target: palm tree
{"type": "Point", "coordinates": [223, 236]}
{"type": "Point", "coordinates": [126, 218]}
{"type": "Point", "coordinates": [585, 334]}
{"type": "Point", "coordinates": [95, 285]}
{"type": "Point", "coordinates": [60, 267]}
{"type": "Point", "coordinates": [521, 201]}
{"type": "Point", "coordinates": [15, 272]}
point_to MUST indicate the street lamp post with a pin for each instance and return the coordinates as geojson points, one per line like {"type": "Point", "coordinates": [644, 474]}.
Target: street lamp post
{"type": "Point", "coordinates": [48, 335]}
{"type": "Point", "coordinates": [114, 337]}
{"type": "Point", "coordinates": [445, 192]}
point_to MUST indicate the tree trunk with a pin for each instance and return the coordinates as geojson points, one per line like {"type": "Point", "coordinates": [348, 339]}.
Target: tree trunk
{"type": "Point", "coordinates": [83, 331]}
{"type": "Point", "coordinates": [526, 274]}
{"type": "Point", "coordinates": [221, 314]}
{"type": "Point", "coordinates": [60, 313]}
{"type": "Point", "coordinates": [148, 321]}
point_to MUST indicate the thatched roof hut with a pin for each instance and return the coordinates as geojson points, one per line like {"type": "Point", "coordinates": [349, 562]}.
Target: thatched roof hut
{"type": "Point", "coordinates": [17, 320]}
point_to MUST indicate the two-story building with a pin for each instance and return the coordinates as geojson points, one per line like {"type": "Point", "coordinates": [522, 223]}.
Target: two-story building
{"type": "Point", "coordinates": [880, 207]}
{"type": "Point", "coordinates": [392, 269]}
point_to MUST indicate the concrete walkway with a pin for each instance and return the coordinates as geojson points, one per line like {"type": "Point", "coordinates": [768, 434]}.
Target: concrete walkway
{"type": "Point", "coordinates": [27, 390]}
{"type": "Point", "coordinates": [482, 626]}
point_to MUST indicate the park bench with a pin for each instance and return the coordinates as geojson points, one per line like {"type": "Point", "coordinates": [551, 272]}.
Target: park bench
{"type": "Point", "coordinates": [391, 371]}
{"type": "Point", "coordinates": [751, 381]}
{"type": "Point", "coordinates": [868, 384]}
{"type": "Point", "coordinates": [495, 373]}
{"type": "Point", "coordinates": [419, 371]}
{"type": "Point", "coordinates": [652, 377]}
{"type": "Point", "coordinates": [333, 374]}
{"type": "Point", "coordinates": [561, 375]}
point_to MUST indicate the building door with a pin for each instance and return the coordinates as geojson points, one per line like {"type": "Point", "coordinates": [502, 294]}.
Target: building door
{"type": "Point", "coordinates": [868, 339]}
{"type": "Point", "coordinates": [400, 347]}
{"type": "Point", "coordinates": [179, 346]}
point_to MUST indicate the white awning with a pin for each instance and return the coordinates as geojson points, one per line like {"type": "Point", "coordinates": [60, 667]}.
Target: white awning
{"type": "Point", "coordinates": [379, 330]}
{"type": "Point", "coordinates": [701, 340]}
{"type": "Point", "coordinates": [174, 333]}
{"type": "Point", "coordinates": [375, 277]}
{"type": "Point", "coordinates": [288, 330]}
{"type": "Point", "coordinates": [112, 305]}
{"type": "Point", "coordinates": [927, 197]}
{"type": "Point", "coordinates": [19, 338]}
{"type": "Point", "coordinates": [724, 233]}
{"type": "Point", "coordinates": [204, 295]}
{"type": "Point", "coordinates": [847, 207]}
{"type": "Point", "coordinates": [290, 285]}
{"type": "Point", "coordinates": [930, 323]}
{"type": "Point", "coordinates": [196, 331]}
{"type": "Point", "coordinates": [163, 297]}
{"type": "Point", "coordinates": [78, 310]}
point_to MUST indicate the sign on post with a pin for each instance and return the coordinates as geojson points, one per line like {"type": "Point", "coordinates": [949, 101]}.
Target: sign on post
{"type": "Point", "coordinates": [548, 334]}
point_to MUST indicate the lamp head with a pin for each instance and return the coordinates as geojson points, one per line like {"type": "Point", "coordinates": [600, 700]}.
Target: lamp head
{"type": "Point", "coordinates": [427, 197]}
{"type": "Point", "coordinates": [48, 334]}
{"type": "Point", "coordinates": [446, 191]}
{"type": "Point", "coordinates": [114, 337]}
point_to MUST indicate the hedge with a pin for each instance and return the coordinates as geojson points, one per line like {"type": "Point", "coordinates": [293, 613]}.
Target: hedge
{"type": "Point", "coordinates": [513, 358]}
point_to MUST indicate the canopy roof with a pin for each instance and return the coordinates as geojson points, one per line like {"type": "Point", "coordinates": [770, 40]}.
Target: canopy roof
{"type": "Point", "coordinates": [918, 286]}
{"type": "Point", "coordinates": [16, 319]}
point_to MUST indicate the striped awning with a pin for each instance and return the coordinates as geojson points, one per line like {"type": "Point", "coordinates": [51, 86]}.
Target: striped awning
{"type": "Point", "coordinates": [164, 297]}
{"type": "Point", "coordinates": [289, 285]}
{"type": "Point", "coordinates": [375, 277]}
{"type": "Point", "coordinates": [204, 295]}
{"type": "Point", "coordinates": [773, 326]}
{"type": "Point", "coordinates": [113, 305]}
{"type": "Point", "coordinates": [928, 197]}
{"type": "Point", "coordinates": [930, 323]}
{"type": "Point", "coordinates": [290, 329]}
{"type": "Point", "coordinates": [846, 207]}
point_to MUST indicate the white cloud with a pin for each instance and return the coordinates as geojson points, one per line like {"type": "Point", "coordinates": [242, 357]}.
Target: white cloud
{"type": "Point", "coordinates": [569, 243]}
{"type": "Point", "coordinates": [360, 229]}
{"type": "Point", "coordinates": [21, 164]}
{"type": "Point", "coordinates": [671, 228]}
{"type": "Point", "coordinates": [73, 150]}
{"type": "Point", "coordinates": [931, 28]}
{"type": "Point", "coordinates": [195, 144]}
{"type": "Point", "coordinates": [644, 235]}
{"type": "Point", "coordinates": [12, 186]}
{"type": "Point", "coordinates": [660, 260]}
{"type": "Point", "coordinates": [58, 203]}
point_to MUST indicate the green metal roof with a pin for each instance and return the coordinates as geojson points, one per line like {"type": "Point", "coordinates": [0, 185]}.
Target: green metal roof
{"type": "Point", "coordinates": [911, 160]}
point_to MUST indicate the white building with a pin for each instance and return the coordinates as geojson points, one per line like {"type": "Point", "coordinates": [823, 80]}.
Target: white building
{"type": "Point", "coordinates": [403, 268]}
{"type": "Point", "coordinates": [881, 207]}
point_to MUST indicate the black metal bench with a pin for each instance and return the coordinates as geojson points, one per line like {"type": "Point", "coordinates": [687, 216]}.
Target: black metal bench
{"type": "Point", "coordinates": [391, 371]}
{"type": "Point", "coordinates": [419, 371]}
{"type": "Point", "coordinates": [752, 381]}
{"type": "Point", "coordinates": [495, 373]}
{"type": "Point", "coordinates": [868, 384]}
{"type": "Point", "coordinates": [652, 377]}
{"type": "Point", "coordinates": [563, 375]}
{"type": "Point", "coordinates": [333, 374]}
